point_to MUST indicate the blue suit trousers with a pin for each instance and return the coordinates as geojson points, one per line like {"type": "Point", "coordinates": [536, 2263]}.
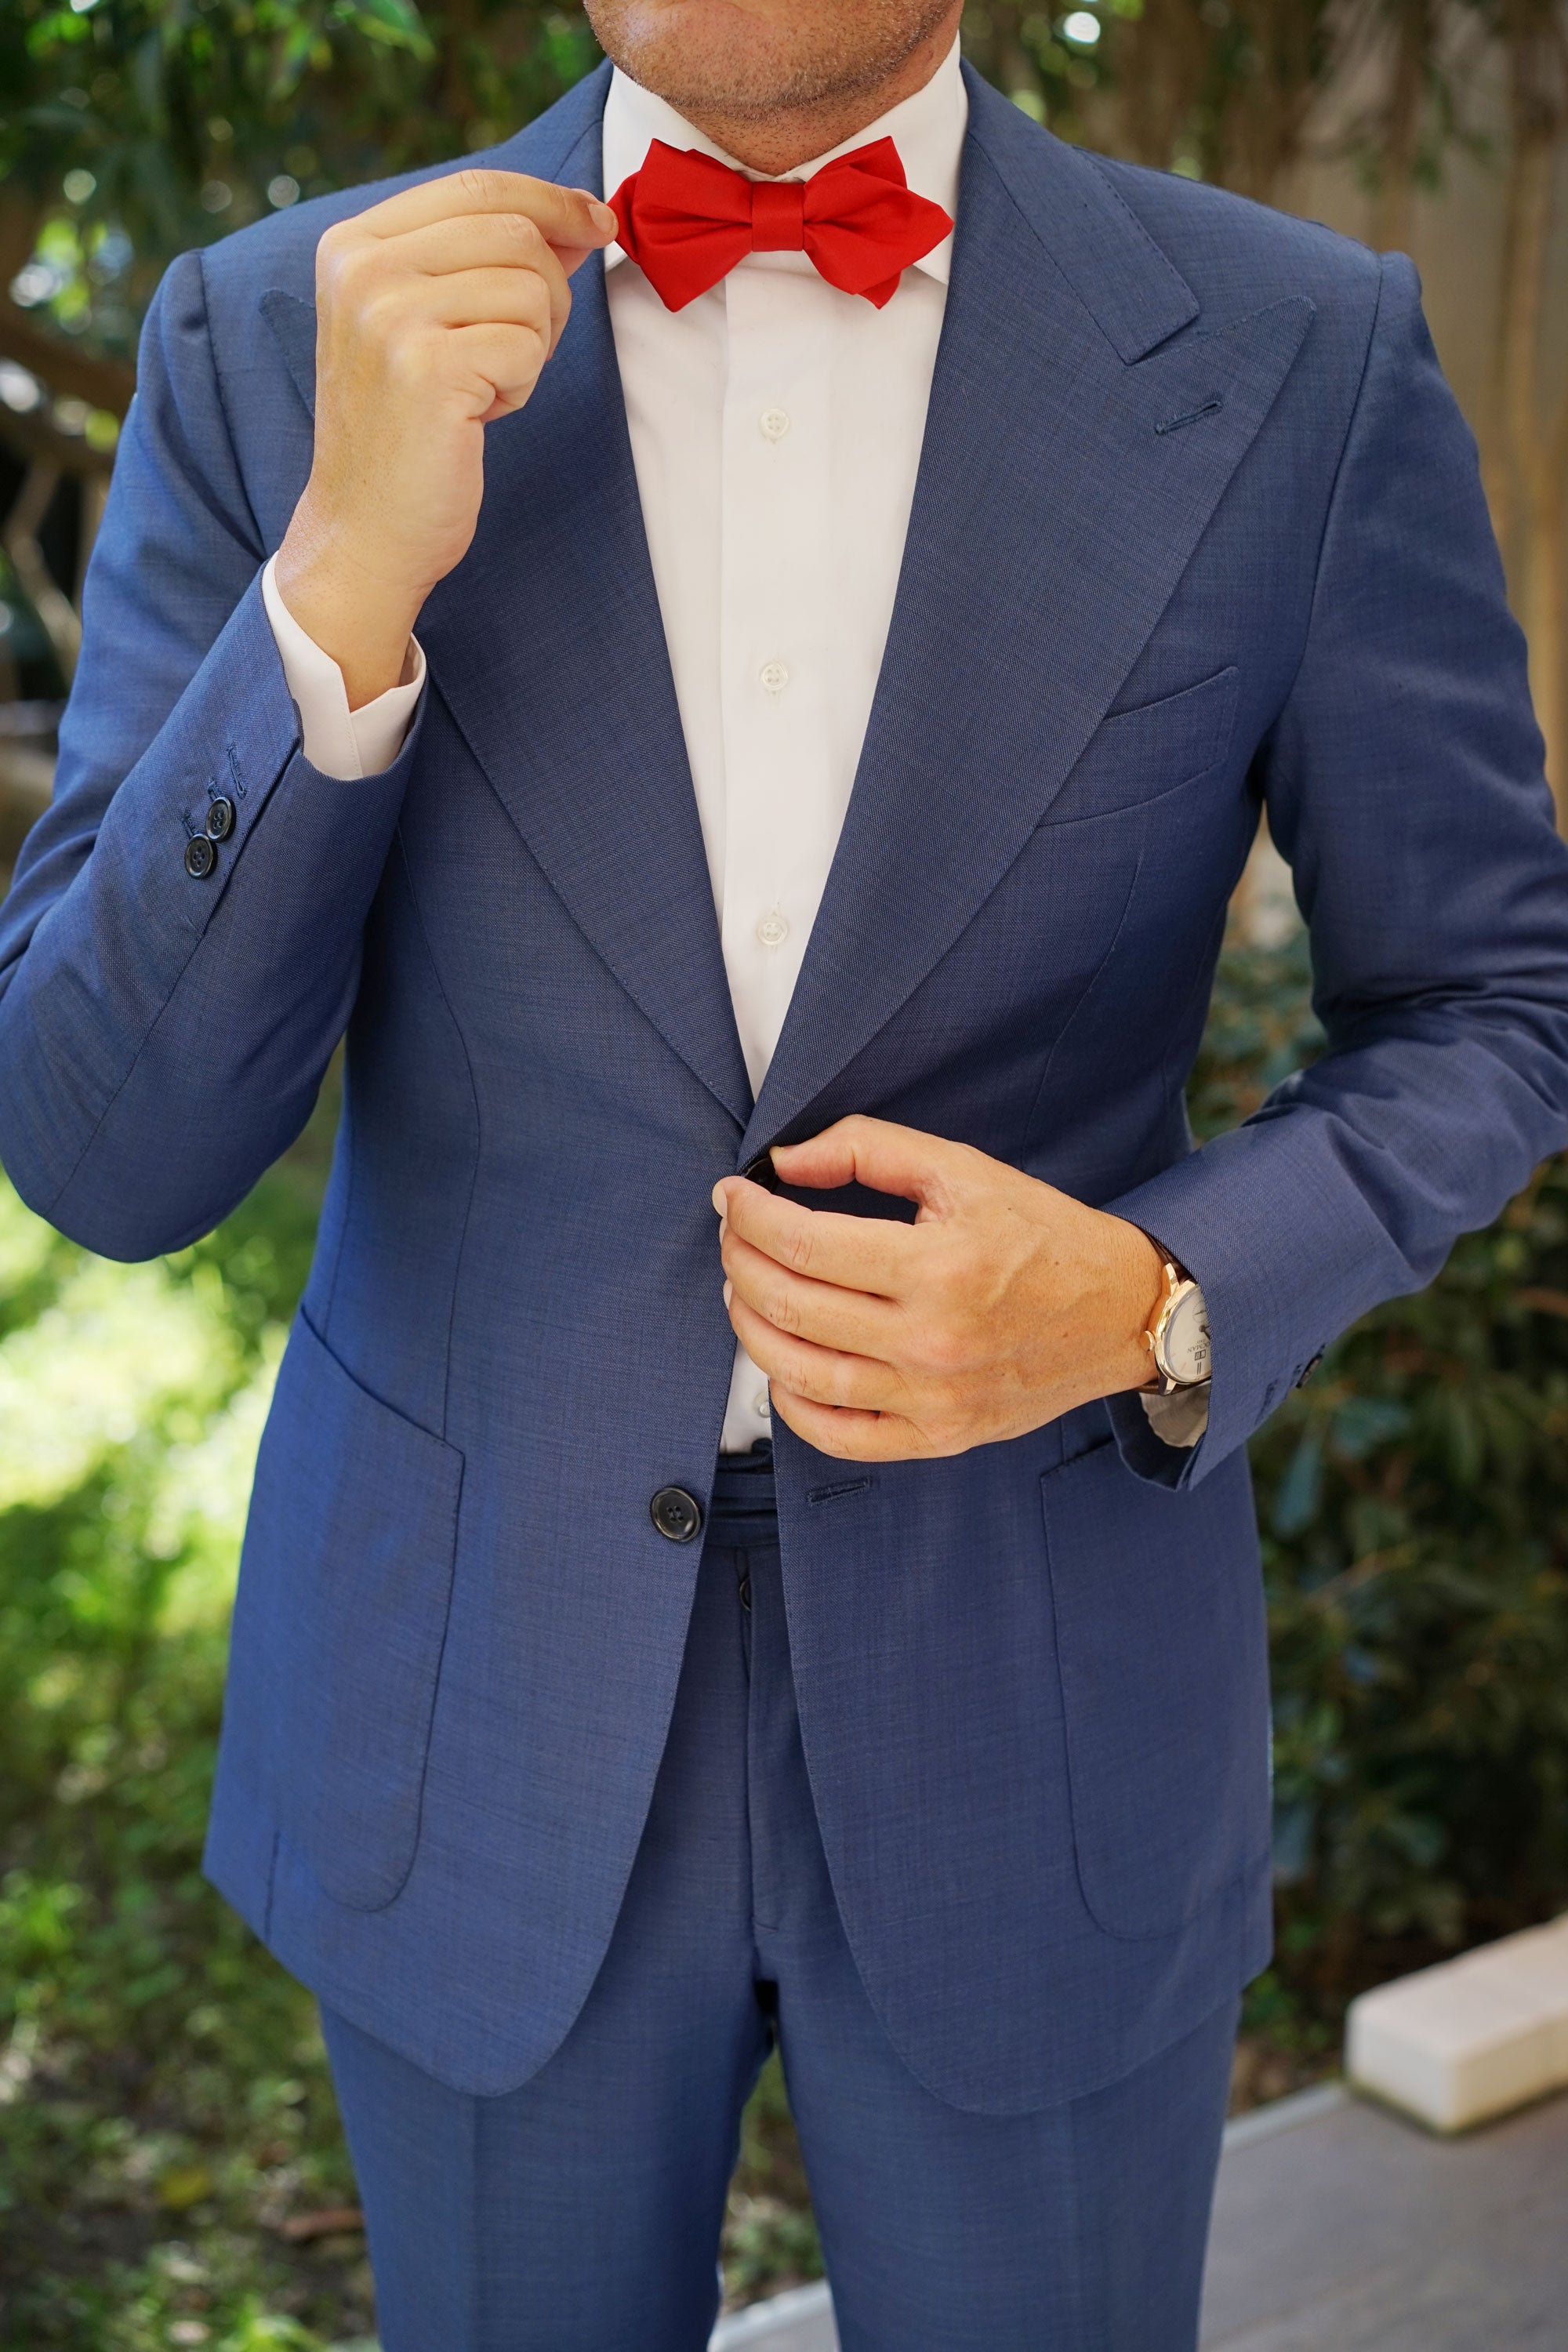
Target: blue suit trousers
{"type": "Point", "coordinates": [581, 2212]}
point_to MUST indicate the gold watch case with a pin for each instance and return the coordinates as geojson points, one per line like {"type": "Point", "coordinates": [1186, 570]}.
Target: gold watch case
{"type": "Point", "coordinates": [1178, 1337]}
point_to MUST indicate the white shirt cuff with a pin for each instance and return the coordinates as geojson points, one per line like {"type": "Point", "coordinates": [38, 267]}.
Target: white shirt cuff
{"type": "Point", "coordinates": [338, 741]}
{"type": "Point", "coordinates": [1179, 1419]}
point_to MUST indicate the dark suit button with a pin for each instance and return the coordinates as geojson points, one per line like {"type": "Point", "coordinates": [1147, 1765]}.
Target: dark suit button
{"type": "Point", "coordinates": [676, 1513]}
{"type": "Point", "coordinates": [220, 819]}
{"type": "Point", "coordinates": [1308, 1369]}
{"type": "Point", "coordinates": [762, 1171]}
{"type": "Point", "coordinates": [200, 857]}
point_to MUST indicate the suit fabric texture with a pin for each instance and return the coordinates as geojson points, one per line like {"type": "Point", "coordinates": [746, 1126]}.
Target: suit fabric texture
{"type": "Point", "coordinates": [1197, 527]}
{"type": "Point", "coordinates": [582, 2212]}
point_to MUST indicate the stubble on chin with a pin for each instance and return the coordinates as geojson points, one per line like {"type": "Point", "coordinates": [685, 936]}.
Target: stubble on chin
{"type": "Point", "coordinates": [709, 57]}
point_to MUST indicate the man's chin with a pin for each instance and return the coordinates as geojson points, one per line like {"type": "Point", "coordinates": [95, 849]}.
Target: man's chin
{"type": "Point", "coordinates": [748, 58]}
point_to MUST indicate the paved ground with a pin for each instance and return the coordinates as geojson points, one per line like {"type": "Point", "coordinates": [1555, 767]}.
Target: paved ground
{"type": "Point", "coordinates": [1348, 2230]}
{"type": "Point", "coordinates": [801, 2322]}
{"type": "Point", "coordinates": [1340, 2229]}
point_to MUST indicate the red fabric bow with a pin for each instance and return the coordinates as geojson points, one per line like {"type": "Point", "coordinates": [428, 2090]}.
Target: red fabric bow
{"type": "Point", "coordinates": [687, 219]}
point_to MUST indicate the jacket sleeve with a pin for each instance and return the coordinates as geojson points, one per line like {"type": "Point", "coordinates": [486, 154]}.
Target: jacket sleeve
{"type": "Point", "coordinates": [163, 1036]}
{"type": "Point", "coordinates": [1404, 784]}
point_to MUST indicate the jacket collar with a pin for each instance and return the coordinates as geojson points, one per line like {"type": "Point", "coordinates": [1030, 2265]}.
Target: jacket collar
{"type": "Point", "coordinates": [1053, 515]}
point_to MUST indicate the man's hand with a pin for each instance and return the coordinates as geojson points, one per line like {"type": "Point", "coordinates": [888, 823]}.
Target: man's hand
{"type": "Point", "coordinates": [1005, 1303]}
{"type": "Point", "coordinates": [436, 311]}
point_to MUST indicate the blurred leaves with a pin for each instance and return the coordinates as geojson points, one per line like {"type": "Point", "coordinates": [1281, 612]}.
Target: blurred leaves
{"type": "Point", "coordinates": [769, 2236]}
{"type": "Point", "coordinates": [130, 130]}
{"type": "Point", "coordinates": [163, 2097]}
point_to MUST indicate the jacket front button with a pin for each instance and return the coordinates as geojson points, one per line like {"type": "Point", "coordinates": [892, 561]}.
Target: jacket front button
{"type": "Point", "coordinates": [676, 1513]}
{"type": "Point", "coordinates": [200, 857]}
{"type": "Point", "coordinates": [761, 1171]}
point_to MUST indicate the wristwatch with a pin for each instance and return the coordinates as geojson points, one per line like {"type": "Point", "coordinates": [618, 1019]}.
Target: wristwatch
{"type": "Point", "coordinates": [1178, 1335]}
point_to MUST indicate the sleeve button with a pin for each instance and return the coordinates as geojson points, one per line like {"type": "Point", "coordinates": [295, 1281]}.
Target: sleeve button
{"type": "Point", "coordinates": [220, 819]}
{"type": "Point", "coordinates": [200, 857]}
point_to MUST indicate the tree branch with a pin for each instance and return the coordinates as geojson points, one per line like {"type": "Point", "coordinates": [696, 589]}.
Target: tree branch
{"type": "Point", "coordinates": [78, 375]}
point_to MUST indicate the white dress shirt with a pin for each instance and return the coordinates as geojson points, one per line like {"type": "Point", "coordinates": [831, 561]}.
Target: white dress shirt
{"type": "Point", "coordinates": [776, 428]}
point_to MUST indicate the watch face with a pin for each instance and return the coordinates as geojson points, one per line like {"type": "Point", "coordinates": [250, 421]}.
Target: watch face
{"type": "Point", "coordinates": [1186, 1341]}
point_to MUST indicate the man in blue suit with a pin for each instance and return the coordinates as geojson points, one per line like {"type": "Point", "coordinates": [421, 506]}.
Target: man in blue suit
{"type": "Point", "coordinates": [589, 1729]}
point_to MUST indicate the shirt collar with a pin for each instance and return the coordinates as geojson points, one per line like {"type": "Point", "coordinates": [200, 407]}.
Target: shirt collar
{"type": "Point", "coordinates": [929, 130]}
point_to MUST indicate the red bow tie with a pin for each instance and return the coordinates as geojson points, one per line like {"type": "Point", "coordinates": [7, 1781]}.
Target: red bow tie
{"type": "Point", "coordinates": [687, 219]}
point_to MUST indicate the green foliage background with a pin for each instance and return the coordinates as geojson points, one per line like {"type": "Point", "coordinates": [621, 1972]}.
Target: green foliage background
{"type": "Point", "coordinates": [130, 130]}
{"type": "Point", "coordinates": [164, 2109]}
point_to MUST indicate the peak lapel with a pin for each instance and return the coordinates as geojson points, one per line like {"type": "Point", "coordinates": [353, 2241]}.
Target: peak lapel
{"type": "Point", "coordinates": [1054, 515]}
{"type": "Point", "coordinates": [547, 647]}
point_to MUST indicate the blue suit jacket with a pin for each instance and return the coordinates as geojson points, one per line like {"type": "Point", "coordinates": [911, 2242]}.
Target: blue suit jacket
{"type": "Point", "coordinates": [1196, 522]}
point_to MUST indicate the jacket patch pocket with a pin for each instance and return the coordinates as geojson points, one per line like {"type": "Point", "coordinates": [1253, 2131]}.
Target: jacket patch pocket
{"type": "Point", "coordinates": [1162, 1648]}
{"type": "Point", "coordinates": [1137, 756]}
{"type": "Point", "coordinates": [345, 1587]}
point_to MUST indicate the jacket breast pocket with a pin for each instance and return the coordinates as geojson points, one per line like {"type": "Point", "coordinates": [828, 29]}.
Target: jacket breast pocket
{"type": "Point", "coordinates": [345, 1587]}
{"type": "Point", "coordinates": [1163, 1652]}
{"type": "Point", "coordinates": [1137, 756]}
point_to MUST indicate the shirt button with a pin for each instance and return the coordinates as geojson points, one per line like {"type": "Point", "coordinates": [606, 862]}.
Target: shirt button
{"type": "Point", "coordinates": [774, 423]}
{"type": "Point", "coordinates": [774, 677]}
{"type": "Point", "coordinates": [772, 931]}
{"type": "Point", "coordinates": [762, 1406]}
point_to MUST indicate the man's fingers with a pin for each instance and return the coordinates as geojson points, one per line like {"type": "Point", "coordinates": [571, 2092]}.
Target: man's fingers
{"type": "Point", "coordinates": [488, 297]}
{"type": "Point", "coordinates": [477, 241]}
{"type": "Point", "coordinates": [504, 362]}
{"type": "Point", "coordinates": [873, 1253]}
{"type": "Point", "coordinates": [849, 1436]}
{"type": "Point", "coordinates": [823, 1374]}
{"type": "Point", "coordinates": [875, 1152]}
{"type": "Point", "coordinates": [571, 218]}
{"type": "Point", "coordinates": [855, 1320]}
